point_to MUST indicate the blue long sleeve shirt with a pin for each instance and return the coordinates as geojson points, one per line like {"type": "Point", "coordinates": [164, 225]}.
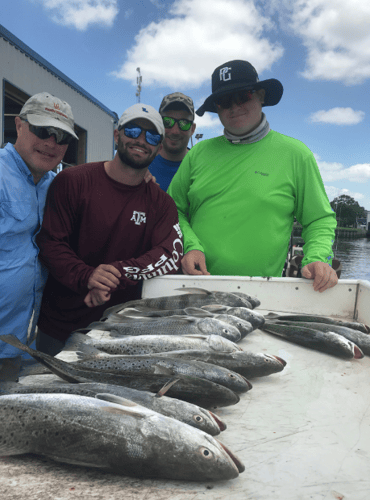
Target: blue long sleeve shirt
{"type": "Point", "coordinates": [22, 276]}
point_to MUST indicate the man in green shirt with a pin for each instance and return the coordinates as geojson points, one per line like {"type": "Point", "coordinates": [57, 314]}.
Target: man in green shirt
{"type": "Point", "coordinates": [237, 194]}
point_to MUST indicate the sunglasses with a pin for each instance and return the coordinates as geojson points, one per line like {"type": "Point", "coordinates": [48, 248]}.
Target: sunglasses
{"type": "Point", "coordinates": [238, 98]}
{"type": "Point", "coordinates": [61, 136]}
{"type": "Point", "coordinates": [133, 132]}
{"type": "Point", "coordinates": [183, 123]}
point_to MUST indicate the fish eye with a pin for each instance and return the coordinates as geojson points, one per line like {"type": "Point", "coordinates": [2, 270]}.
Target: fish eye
{"type": "Point", "coordinates": [225, 330]}
{"type": "Point", "coordinates": [206, 453]}
{"type": "Point", "coordinates": [198, 418]}
{"type": "Point", "coordinates": [231, 375]}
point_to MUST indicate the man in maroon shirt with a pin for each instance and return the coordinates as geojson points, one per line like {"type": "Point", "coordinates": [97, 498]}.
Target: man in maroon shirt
{"type": "Point", "coordinates": [104, 230]}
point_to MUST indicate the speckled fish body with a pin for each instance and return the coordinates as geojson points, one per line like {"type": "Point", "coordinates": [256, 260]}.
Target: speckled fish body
{"type": "Point", "coordinates": [172, 325]}
{"type": "Point", "coordinates": [248, 364]}
{"type": "Point", "coordinates": [146, 344]}
{"type": "Point", "coordinates": [362, 340]}
{"type": "Point", "coordinates": [194, 297]}
{"type": "Point", "coordinates": [319, 319]}
{"type": "Point", "coordinates": [186, 412]}
{"type": "Point", "coordinates": [253, 317]}
{"type": "Point", "coordinates": [328, 342]}
{"type": "Point", "coordinates": [152, 364]}
{"type": "Point", "coordinates": [114, 434]}
{"type": "Point", "coordinates": [244, 327]}
{"type": "Point", "coordinates": [195, 390]}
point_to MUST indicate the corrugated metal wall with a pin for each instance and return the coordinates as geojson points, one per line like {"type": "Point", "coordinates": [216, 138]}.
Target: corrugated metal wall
{"type": "Point", "coordinates": [25, 73]}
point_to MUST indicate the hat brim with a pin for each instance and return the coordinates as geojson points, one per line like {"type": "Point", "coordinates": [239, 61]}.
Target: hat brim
{"type": "Point", "coordinates": [42, 121]}
{"type": "Point", "coordinates": [273, 93]}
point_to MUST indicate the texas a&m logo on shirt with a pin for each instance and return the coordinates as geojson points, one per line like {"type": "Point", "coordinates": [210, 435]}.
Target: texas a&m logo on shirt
{"type": "Point", "coordinates": [138, 217]}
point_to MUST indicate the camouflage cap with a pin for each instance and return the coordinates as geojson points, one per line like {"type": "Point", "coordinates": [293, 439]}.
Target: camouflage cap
{"type": "Point", "coordinates": [46, 110]}
{"type": "Point", "coordinates": [182, 101]}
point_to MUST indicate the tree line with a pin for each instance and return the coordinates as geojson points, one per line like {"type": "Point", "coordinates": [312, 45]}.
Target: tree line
{"type": "Point", "coordinates": [348, 211]}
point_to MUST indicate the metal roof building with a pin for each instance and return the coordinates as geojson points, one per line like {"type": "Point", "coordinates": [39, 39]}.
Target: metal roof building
{"type": "Point", "coordinates": [24, 73]}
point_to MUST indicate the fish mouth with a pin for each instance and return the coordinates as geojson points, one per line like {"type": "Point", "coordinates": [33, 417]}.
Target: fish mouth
{"type": "Point", "coordinates": [357, 353]}
{"type": "Point", "coordinates": [249, 385]}
{"type": "Point", "coordinates": [281, 360]}
{"type": "Point", "coordinates": [219, 422]}
{"type": "Point", "coordinates": [238, 463]}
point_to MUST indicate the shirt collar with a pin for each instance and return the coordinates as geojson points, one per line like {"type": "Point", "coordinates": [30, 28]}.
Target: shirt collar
{"type": "Point", "coordinates": [22, 165]}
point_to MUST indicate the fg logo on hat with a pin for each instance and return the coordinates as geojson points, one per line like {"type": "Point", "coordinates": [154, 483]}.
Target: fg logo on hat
{"type": "Point", "coordinates": [224, 74]}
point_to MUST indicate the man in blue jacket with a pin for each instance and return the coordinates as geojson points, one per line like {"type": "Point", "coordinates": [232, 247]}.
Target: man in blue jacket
{"type": "Point", "coordinates": [45, 127]}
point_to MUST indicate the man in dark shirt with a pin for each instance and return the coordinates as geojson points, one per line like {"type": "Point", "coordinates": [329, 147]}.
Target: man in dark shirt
{"type": "Point", "coordinates": [177, 111]}
{"type": "Point", "coordinates": [104, 230]}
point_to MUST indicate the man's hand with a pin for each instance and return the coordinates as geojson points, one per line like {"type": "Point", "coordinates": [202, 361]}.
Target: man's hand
{"type": "Point", "coordinates": [105, 277]}
{"type": "Point", "coordinates": [323, 275]}
{"type": "Point", "coordinates": [194, 262]}
{"type": "Point", "coordinates": [150, 177]}
{"type": "Point", "coordinates": [96, 297]}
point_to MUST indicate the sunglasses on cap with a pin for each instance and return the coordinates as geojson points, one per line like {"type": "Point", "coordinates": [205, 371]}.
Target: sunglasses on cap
{"type": "Point", "coordinates": [183, 123]}
{"type": "Point", "coordinates": [61, 136]}
{"type": "Point", "coordinates": [239, 97]}
{"type": "Point", "coordinates": [134, 131]}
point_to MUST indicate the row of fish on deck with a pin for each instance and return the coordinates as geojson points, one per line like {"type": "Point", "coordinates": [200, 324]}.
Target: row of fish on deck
{"type": "Point", "coordinates": [138, 387]}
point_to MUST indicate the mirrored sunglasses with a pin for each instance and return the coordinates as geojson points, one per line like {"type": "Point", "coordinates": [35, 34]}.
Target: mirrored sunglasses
{"type": "Point", "coordinates": [183, 123]}
{"type": "Point", "coordinates": [133, 132]}
{"type": "Point", "coordinates": [61, 136]}
{"type": "Point", "coordinates": [238, 98]}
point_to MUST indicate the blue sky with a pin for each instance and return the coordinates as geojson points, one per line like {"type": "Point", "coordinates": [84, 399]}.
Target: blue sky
{"type": "Point", "coordinates": [318, 49]}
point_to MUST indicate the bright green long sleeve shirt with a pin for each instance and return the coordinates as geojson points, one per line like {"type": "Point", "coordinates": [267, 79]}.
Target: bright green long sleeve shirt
{"type": "Point", "coordinates": [237, 204]}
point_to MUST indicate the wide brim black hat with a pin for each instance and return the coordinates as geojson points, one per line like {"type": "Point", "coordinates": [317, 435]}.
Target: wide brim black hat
{"type": "Point", "coordinates": [238, 75]}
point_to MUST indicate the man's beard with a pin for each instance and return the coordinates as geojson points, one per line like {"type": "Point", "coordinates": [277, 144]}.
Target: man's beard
{"type": "Point", "coordinates": [179, 148]}
{"type": "Point", "coordinates": [130, 161]}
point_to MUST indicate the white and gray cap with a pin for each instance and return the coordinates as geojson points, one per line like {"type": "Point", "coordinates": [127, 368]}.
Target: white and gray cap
{"type": "Point", "coordinates": [46, 110]}
{"type": "Point", "coordinates": [145, 111]}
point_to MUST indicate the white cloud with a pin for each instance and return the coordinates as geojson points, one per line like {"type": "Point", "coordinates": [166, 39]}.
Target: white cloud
{"type": "Point", "coordinates": [337, 36]}
{"type": "Point", "coordinates": [331, 172]}
{"type": "Point", "coordinates": [338, 116]}
{"type": "Point", "coordinates": [184, 49]}
{"type": "Point", "coordinates": [209, 121]}
{"type": "Point", "coordinates": [80, 14]}
{"type": "Point", "coordinates": [334, 192]}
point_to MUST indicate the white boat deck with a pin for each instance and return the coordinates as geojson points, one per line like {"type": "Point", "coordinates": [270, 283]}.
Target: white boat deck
{"type": "Point", "coordinates": [303, 433]}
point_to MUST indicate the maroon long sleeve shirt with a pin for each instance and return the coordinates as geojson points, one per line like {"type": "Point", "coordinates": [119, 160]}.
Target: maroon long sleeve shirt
{"type": "Point", "coordinates": [89, 220]}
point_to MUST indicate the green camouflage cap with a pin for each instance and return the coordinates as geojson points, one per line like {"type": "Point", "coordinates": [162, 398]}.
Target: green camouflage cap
{"type": "Point", "coordinates": [177, 97]}
{"type": "Point", "coordinates": [46, 110]}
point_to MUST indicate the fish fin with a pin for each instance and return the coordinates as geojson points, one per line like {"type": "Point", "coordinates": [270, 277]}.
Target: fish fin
{"type": "Point", "coordinates": [75, 340]}
{"type": "Point", "coordinates": [81, 351]}
{"type": "Point", "coordinates": [15, 342]}
{"type": "Point", "coordinates": [112, 398]}
{"type": "Point", "coordinates": [166, 387]}
{"type": "Point", "coordinates": [194, 290]}
{"type": "Point", "coordinates": [215, 308]}
{"type": "Point", "coordinates": [102, 335]}
{"type": "Point", "coordinates": [197, 336]}
{"type": "Point", "coordinates": [100, 325]}
{"type": "Point", "coordinates": [198, 312]}
{"type": "Point", "coordinates": [128, 407]}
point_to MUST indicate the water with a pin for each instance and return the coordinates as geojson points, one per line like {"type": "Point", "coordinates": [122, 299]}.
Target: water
{"type": "Point", "coordinates": [355, 258]}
